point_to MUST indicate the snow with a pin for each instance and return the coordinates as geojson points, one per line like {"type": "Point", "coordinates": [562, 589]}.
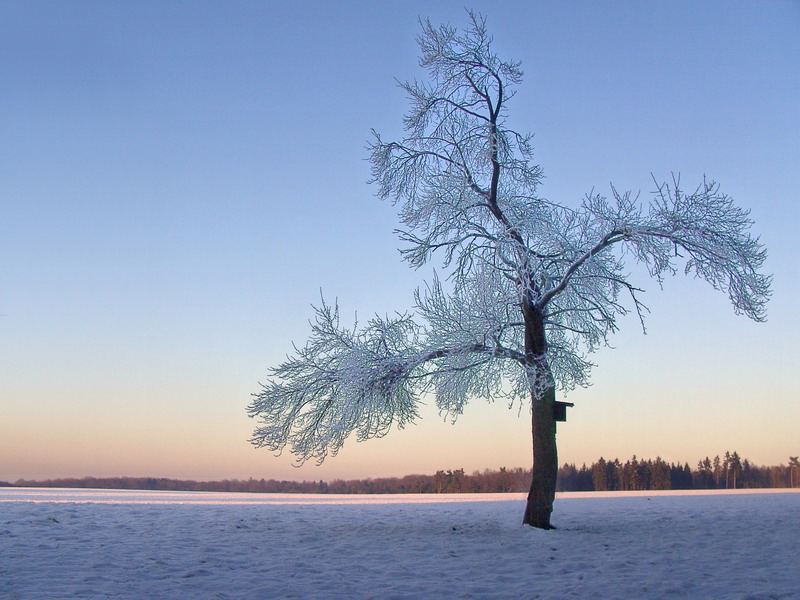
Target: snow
{"type": "Point", "coordinates": [121, 544]}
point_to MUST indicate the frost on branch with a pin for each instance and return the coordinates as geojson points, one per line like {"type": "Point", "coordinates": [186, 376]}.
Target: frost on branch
{"type": "Point", "coordinates": [365, 380]}
{"type": "Point", "coordinates": [473, 341]}
{"type": "Point", "coordinates": [444, 171]}
{"type": "Point", "coordinates": [343, 380]}
{"type": "Point", "coordinates": [713, 234]}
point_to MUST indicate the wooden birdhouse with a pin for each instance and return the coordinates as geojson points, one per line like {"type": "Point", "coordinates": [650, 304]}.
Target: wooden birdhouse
{"type": "Point", "coordinates": [560, 410]}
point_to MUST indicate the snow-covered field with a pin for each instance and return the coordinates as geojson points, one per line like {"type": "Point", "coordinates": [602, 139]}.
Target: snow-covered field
{"type": "Point", "coordinates": [113, 544]}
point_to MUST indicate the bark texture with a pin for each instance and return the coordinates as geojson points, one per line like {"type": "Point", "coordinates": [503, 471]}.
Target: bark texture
{"type": "Point", "coordinates": [545, 463]}
{"type": "Point", "coordinates": [543, 425]}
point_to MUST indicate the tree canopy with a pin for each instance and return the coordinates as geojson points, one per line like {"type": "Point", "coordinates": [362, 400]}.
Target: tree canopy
{"type": "Point", "coordinates": [532, 288]}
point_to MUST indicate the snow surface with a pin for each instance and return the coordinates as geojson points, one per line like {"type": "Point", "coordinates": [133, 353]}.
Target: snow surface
{"type": "Point", "coordinates": [90, 544]}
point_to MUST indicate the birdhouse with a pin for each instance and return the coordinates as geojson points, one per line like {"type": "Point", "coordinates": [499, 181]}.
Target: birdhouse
{"type": "Point", "coordinates": [560, 410]}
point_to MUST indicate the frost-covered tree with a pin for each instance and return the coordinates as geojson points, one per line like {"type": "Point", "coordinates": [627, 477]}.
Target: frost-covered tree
{"type": "Point", "coordinates": [533, 286]}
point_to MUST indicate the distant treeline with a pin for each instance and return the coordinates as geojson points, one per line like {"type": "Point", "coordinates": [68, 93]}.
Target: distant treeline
{"type": "Point", "coordinates": [635, 474]}
{"type": "Point", "coordinates": [730, 472]}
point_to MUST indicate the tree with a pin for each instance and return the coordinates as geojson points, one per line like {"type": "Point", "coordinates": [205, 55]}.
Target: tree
{"type": "Point", "coordinates": [660, 478]}
{"type": "Point", "coordinates": [746, 478]}
{"type": "Point", "coordinates": [735, 464]}
{"type": "Point", "coordinates": [533, 286]}
{"type": "Point", "coordinates": [717, 471]}
{"type": "Point", "coordinates": [600, 475]}
{"type": "Point", "coordinates": [705, 473]}
{"type": "Point", "coordinates": [726, 467]}
{"type": "Point", "coordinates": [794, 463]}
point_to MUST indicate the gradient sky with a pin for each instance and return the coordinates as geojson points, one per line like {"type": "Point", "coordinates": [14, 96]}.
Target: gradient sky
{"type": "Point", "coordinates": [179, 180]}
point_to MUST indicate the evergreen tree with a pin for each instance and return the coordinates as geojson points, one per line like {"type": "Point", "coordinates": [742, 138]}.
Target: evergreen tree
{"type": "Point", "coordinates": [735, 466]}
{"type": "Point", "coordinates": [717, 472]}
{"type": "Point", "coordinates": [600, 475]}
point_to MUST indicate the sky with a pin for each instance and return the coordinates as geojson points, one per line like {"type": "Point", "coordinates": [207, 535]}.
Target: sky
{"type": "Point", "coordinates": [181, 181]}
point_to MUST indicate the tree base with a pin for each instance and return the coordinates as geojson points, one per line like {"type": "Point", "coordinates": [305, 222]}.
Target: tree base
{"type": "Point", "coordinates": [547, 527]}
{"type": "Point", "coordinates": [538, 523]}
{"type": "Point", "coordinates": [538, 511]}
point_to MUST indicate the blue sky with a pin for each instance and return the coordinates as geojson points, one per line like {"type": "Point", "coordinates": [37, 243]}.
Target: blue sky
{"type": "Point", "coordinates": [178, 181]}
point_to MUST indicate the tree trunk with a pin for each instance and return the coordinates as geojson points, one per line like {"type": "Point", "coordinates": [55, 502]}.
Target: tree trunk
{"type": "Point", "coordinates": [545, 463]}
{"type": "Point", "coordinates": [543, 424]}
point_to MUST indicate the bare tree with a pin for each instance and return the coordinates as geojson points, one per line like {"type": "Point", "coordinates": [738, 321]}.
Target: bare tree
{"type": "Point", "coordinates": [533, 286]}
